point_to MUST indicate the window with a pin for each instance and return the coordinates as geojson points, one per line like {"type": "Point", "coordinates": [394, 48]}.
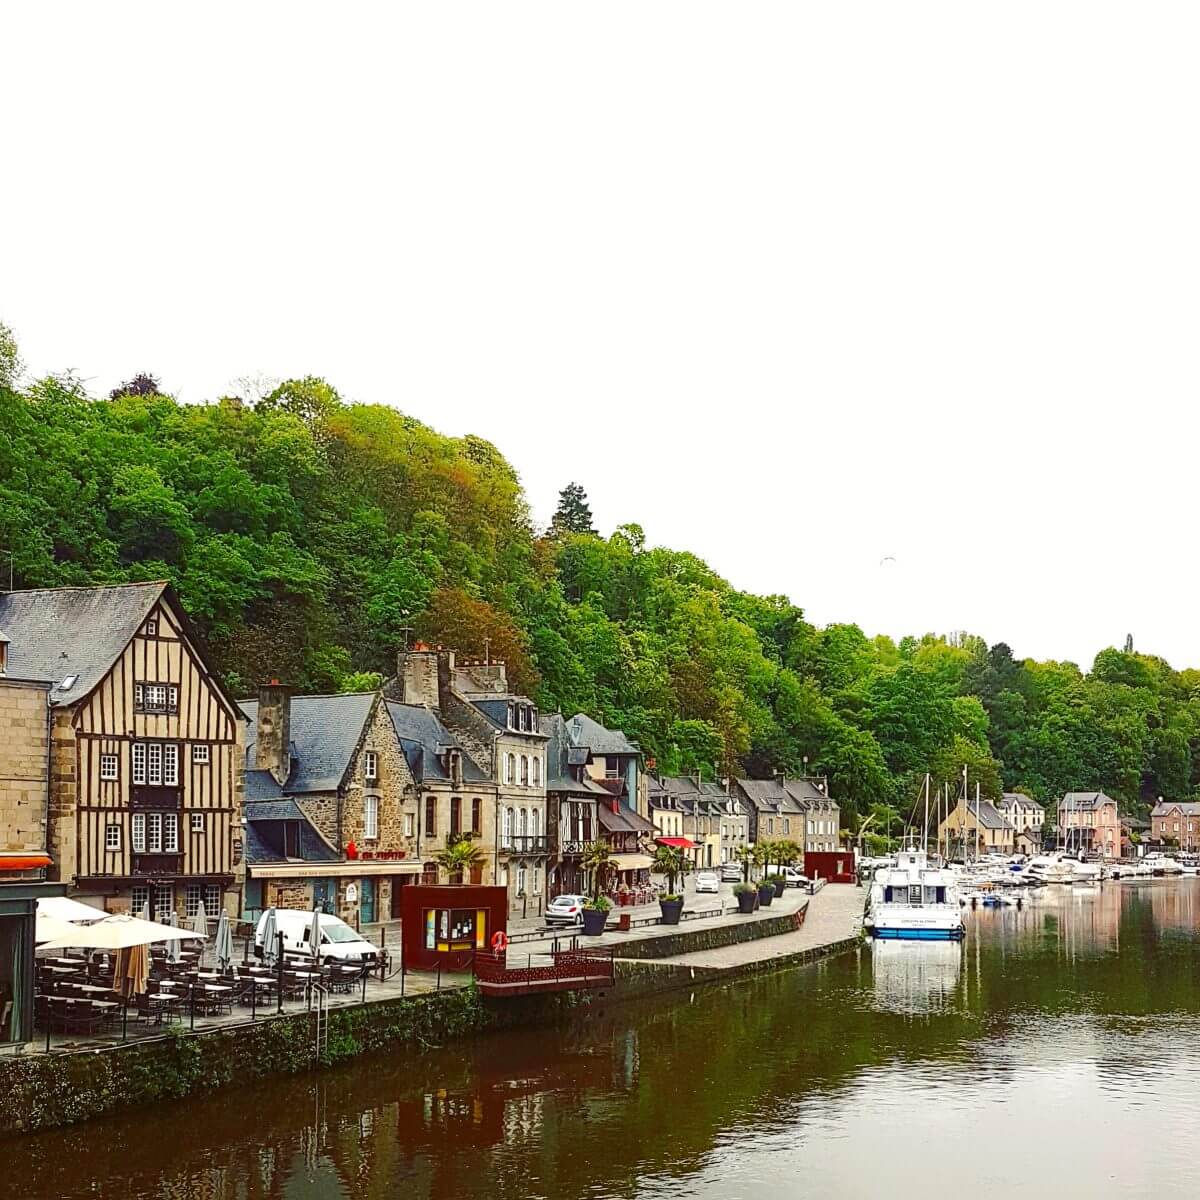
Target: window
{"type": "Point", "coordinates": [477, 815]}
{"type": "Point", "coordinates": [535, 820]}
{"type": "Point", "coordinates": [108, 766]}
{"type": "Point", "coordinates": [521, 874]}
{"type": "Point", "coordinates": [197, 822]}
{"type": "Point", "coordinates": [200, 755]}
{"type": "Point", "coordinates": [370, 817]}
{"type": "Point", "coordinates": [508, 768]}
{"type": "Point", "coordinates": [192, 895]}
{"type": "Point", "coordinates": [430, 816]}
{"type": "Point", "coordinates": [170, 832]}
{"type": "Point", "coordinates": [456, 814]}
{"type": "Point", "coordinates": [610, 769]}
{"type": "Point", "coordinates": [139, 899]}
{"type": "Point", "coordinates": [212, 899]}
{"type": "Point", "coordinates": [508, 826]}
{"type": "Point", "coordinates": [410, 824]}
{"type": "Point", "coordinates": [156, 697]}
{"type": "Point", "coordinates": [371, 766]}
{"type": "Point", "coordinates": [524, 826]}
{"type": "Point", "coordinates": [524, 770]}
{"type": "Point", "coordinates": [154, 764]}
{"type": "Point", "coordinates": [152, 627]}
{"type": "Point", "coordinates": [164, 902]}
{"type": "Point", "coordinates": [537, 772]}
{"type": "Point", "coordinates": [510, 717]}
{"type": "Point", "coordinates": [171, 765]}
{"type": "Point", "coordinates": [139, 762]}
{"type": "Point", "coordinates": [137, 827]}
{"type": "Point", "coordinates": [112, 837]}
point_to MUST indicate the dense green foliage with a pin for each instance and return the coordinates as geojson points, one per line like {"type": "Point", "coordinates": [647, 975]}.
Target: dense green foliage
{"type": "Point", "coordinates": [308, 537]}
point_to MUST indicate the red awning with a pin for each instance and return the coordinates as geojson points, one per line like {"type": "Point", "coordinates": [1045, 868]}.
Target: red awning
{"type": "Point", "coordinates": [682, 843]}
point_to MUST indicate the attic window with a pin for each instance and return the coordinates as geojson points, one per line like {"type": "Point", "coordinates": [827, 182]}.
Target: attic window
{"type": "Point", "coordinates": [152, 627]}
{"type": "Point", "coordinates": [68, 683]}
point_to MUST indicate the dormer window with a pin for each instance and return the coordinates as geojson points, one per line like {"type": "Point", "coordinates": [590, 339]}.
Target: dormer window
{"type": "Point", "coordinates": [154, 697]}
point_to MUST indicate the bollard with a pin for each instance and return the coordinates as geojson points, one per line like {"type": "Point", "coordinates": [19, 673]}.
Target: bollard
{"type": "Point", "coordinates": [439, 988]}
{"type": "Point", "coordinates": [192, 990]}
{"type": "Point", "coordinates": [364, 983]}
{"type": "Point", "coordinates": [125, 1020]}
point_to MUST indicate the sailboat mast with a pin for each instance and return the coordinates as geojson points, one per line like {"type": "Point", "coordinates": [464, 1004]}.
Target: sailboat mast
{"type": "Point", "coordinates": [977, 821]}
{"type": "Point", "coordinates": [925, 838]}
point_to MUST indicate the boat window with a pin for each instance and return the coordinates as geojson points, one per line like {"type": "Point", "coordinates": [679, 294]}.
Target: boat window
{"type": "Point", "coordinates": [914, 893]}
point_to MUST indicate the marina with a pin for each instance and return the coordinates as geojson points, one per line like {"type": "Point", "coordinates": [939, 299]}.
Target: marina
{"type": "Point", "coordinates": [1075, 1012]}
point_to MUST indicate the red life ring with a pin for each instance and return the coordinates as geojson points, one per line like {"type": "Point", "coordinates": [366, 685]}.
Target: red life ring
{"type": "Point", "coordinates": [499, 942]}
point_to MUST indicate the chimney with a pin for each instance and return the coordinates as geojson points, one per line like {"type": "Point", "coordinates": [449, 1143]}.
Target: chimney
{"type": "Point", "coordinates": [417, 675]}
{"type": "Point", "coordinates": [273, 740]}
{"type": "Point", "coordinates": [444, 676]}
{"type": "Point", "coordinates": [4, 644]}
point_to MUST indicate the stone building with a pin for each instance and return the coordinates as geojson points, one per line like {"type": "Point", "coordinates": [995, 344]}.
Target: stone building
{"type": "Point", "coordinates": [145, 790]}
{"type": "Point", "coordinates": [452, 796]}
{"type": "Point", "coordinates": [1176, 823]}
{"type": "Point", "coordinates": [329, 795]}
{"type": "Point", "coordinates": [572, 801]}
{"type": "Point", "coordinates": [24, 841]}
{"type": "Point", "coordinates": [773, 811]}
{"type": "Point", "coordinates": [500, 733]}
{"type": "Point", "coordinates": [975, 825]}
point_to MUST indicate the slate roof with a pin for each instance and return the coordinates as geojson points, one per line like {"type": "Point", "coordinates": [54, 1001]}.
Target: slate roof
{"type": "Point", "coordinates": [769, 795]}
{"type": "Point", "coordinates": [57, 632]}
{"type": "Point", "coordinates": [1189, 808]}
{"type": "Point", "coordinates": [325, 731]}
{"type": "Point", "coordinates": [1083, 801]}
{"type": "Point", "coordinates": [313, 847]}
{"type": "Point", "coordinates": [560, 756]}
{"type": "Point", "coordinates": [625, 820]}
{"type": "Point", "coordinates": [583, 731]}
{"type": "Point", "coordinates": [1021, 801]}
{"type": "Point", "coordinates": [495, 709]}
{"type": "Point", "coordinates": [987, 815]}
{"type": "Point", "coordinates": [262, 785]}
{"type": "Point", "coordinates": [424, 737]}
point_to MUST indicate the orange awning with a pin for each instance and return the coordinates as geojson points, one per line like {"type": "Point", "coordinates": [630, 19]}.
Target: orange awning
{"type": "Point", "coordinates": [682, 843]}
{"type": "Point", "coordinates": [23, 862]}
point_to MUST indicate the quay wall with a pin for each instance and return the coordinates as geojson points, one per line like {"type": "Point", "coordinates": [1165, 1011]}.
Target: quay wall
{"type": "Point", "coordinates": [689, 941]}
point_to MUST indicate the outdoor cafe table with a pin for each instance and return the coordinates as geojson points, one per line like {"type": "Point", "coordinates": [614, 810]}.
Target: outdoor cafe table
{"type": "Point", "coordinates": [65, 961]}
{"type": "Point", "coordinates": [92, 987]}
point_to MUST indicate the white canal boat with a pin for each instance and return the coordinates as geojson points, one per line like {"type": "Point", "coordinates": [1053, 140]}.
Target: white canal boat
{"type": "Point", "coordinates": [911, 899]}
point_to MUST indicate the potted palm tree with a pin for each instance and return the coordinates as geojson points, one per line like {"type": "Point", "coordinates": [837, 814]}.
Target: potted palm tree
{"type": "Point", "coordinates": [460, 857]}
{"type": "Point", "coordinates": [597, 858]}
{"type": "Point", "coordinates": [671, 862]}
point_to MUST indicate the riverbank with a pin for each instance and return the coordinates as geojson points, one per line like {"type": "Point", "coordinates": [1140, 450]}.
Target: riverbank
{"type": "Point", "coordinates": [69, 1085]}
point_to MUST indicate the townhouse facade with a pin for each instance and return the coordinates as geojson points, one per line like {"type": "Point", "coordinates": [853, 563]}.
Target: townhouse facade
{"type": "Point", "coordinates": [1089, 822]}
{"type": "Point", "coordinates": [1023, 814]}
{"type": "Point", "coordinates": [975, 824]}
{"type": "Point", "coordinates": [572, 808]}
{"type": "Point", "coordinates": [1176, 821]}
{"type": "Point", "coordinates": [146, 758]}
{"type": "Point", "coordinates": [794, 809]}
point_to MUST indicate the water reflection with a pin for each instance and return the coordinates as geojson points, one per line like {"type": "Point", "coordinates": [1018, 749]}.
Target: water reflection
{"type": "Point", "coordinates": [1070, 1023]}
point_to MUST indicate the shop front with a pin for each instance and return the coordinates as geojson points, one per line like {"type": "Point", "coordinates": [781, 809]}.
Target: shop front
{"type": "Point", "coordinates": [20, 889]}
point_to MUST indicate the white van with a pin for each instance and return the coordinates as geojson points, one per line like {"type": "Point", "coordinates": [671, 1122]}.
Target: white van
{"type": "Point", "coordinates": [338, 940]}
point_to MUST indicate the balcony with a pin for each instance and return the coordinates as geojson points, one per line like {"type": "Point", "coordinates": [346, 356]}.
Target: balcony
{"type": "Point", "coordinates": [574, 846]}
{"type": "Point", "coordinates": [155, 797]}
{"type": "Point", "coordinates": [525, 844]}
{"type": "Point", "coordinates": [157, 864]}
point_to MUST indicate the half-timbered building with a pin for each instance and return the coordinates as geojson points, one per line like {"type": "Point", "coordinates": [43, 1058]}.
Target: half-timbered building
{"type": "Point", "coordinates": [146, 746]}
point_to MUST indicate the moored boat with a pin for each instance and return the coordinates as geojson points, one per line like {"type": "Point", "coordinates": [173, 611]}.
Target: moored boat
{"type": "Point", "coordinates": [912, 900]}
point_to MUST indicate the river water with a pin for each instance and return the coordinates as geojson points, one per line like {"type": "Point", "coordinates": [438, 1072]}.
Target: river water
{"type": "Point", "coordinates": [1056, 1053]}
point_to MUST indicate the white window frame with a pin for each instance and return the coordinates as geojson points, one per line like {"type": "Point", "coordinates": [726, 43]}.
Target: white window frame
{"type": "Point", "coordinates": [212, 899]}
{"type": "Point", "coordinates": [139, 895]}
{"type": "Point", "coordinates": [371, 818]}
{"type": "Point", "coordinates": [170, 833]}
{"type": "Point", "coordinates": [138, 751]}
{"type": "Point", "coordinates": [154, 824]}
{"type": "Point", "coordinates": [201, 756]}
{"type": "Point", "coordinates": [112, 837]}
{"type": "Point", "coordinates": [110, 767]}
{"type": "Point", "coordinates": [370, 766]}
{"type": "Point", "coordinates": [154, 764]}
{"type": "Point", "coordinates": [508, 827]}
{"type": "Point", "coordinates": [197, 822]}
{"type": "Point", "coordinates": [410, 824]}
{"type": "Point", "coordinates": [170, 764]}
{"type": "Point", "coordinates": [137, 832]}
{"type": "Point", "coordinates": [152, 627]}
{"type": "Point", "coordinates": [164, 902]}
{"type": "Point", "coordinates": [193, 894]}
{"type": "Point", "coordinates": [524, 770]}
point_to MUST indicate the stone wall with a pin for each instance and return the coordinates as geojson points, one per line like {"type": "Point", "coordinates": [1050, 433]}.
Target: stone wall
{"type": "Point", "coordinates": [24, 740]}
{"type": "Point", "coordinates": [689, 941]}
{"type": "Point", "coordinates": [64, 787]}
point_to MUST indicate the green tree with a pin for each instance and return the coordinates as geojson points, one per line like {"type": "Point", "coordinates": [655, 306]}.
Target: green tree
{"type": "Point", "coordinates": [573, 514]}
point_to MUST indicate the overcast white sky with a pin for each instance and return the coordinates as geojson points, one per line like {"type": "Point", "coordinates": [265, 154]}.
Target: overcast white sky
{"type": "Point", "coordinates": [796, 287]}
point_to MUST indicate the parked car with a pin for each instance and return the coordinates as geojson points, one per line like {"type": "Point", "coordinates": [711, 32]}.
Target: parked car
{"type": "Point", "coordinates": [731, 872]}
{"type": "Point", "coordinates": [707, 881]}
{"type": "Point", "coordinates": [565, 910]}
{"type": "Point", "coordinates": [794, 878]}
{"type": "Point", "coordinates": [338, 940]}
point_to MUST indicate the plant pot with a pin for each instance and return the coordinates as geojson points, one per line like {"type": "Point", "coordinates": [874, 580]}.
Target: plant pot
{"type": "Point", "coordinates": [780, 884]}
{"type": "Point", "coordinates": [672, 910]}
{"type": "Point", "coordinates": [594, 921]}
{"type": "Point", "coordinates": [746, 902]}
{"type": "Point", "coordinates": [766, 895]}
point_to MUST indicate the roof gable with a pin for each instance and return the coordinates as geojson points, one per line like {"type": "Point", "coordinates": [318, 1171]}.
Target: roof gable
{"type": "Point", "coordinates": [55, 633]}
{"type": "Point", "coordinates": [425, 737]}
{"type": "Point", "coordinates": [583, 731]}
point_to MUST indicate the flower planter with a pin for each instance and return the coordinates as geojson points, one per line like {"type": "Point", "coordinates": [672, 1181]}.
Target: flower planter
{"type": "Point", "coordinates": [766, 895]}
{"type": "Point", "coordinates": [746, 902]}
{"type": "Point", "coordinates": [594, 921]}
{"type": "Point", "coordinates": [779, 885]}
{"type": "Point", "coordinates": [672, 910]}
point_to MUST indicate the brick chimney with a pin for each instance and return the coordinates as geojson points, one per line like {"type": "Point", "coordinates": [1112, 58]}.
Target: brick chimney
{"type": "Point", "coordinates": [273, 740]}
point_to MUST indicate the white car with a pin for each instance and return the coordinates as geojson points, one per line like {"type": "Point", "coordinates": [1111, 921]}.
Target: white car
{"type": "Point", "coordinates": [707, 881]}
{"type": "Point", "coordinates": [565, 910]}
{"type": "Point", "coordinates": [731, 872]}
{"type": "Point", "coordinates": [338, 941]}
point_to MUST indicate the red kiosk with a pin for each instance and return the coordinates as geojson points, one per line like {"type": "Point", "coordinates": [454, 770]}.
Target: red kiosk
{"type": "Point", "coordinates": [445, 924]}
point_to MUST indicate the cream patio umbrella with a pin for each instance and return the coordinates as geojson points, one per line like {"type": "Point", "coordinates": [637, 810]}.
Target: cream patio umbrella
{"type": "Point", "coordinates": [118, 932]}
{"type": "Point", "coordinates": [49, 928]}
{"type": "Point", "coordinates": [66, 909]}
